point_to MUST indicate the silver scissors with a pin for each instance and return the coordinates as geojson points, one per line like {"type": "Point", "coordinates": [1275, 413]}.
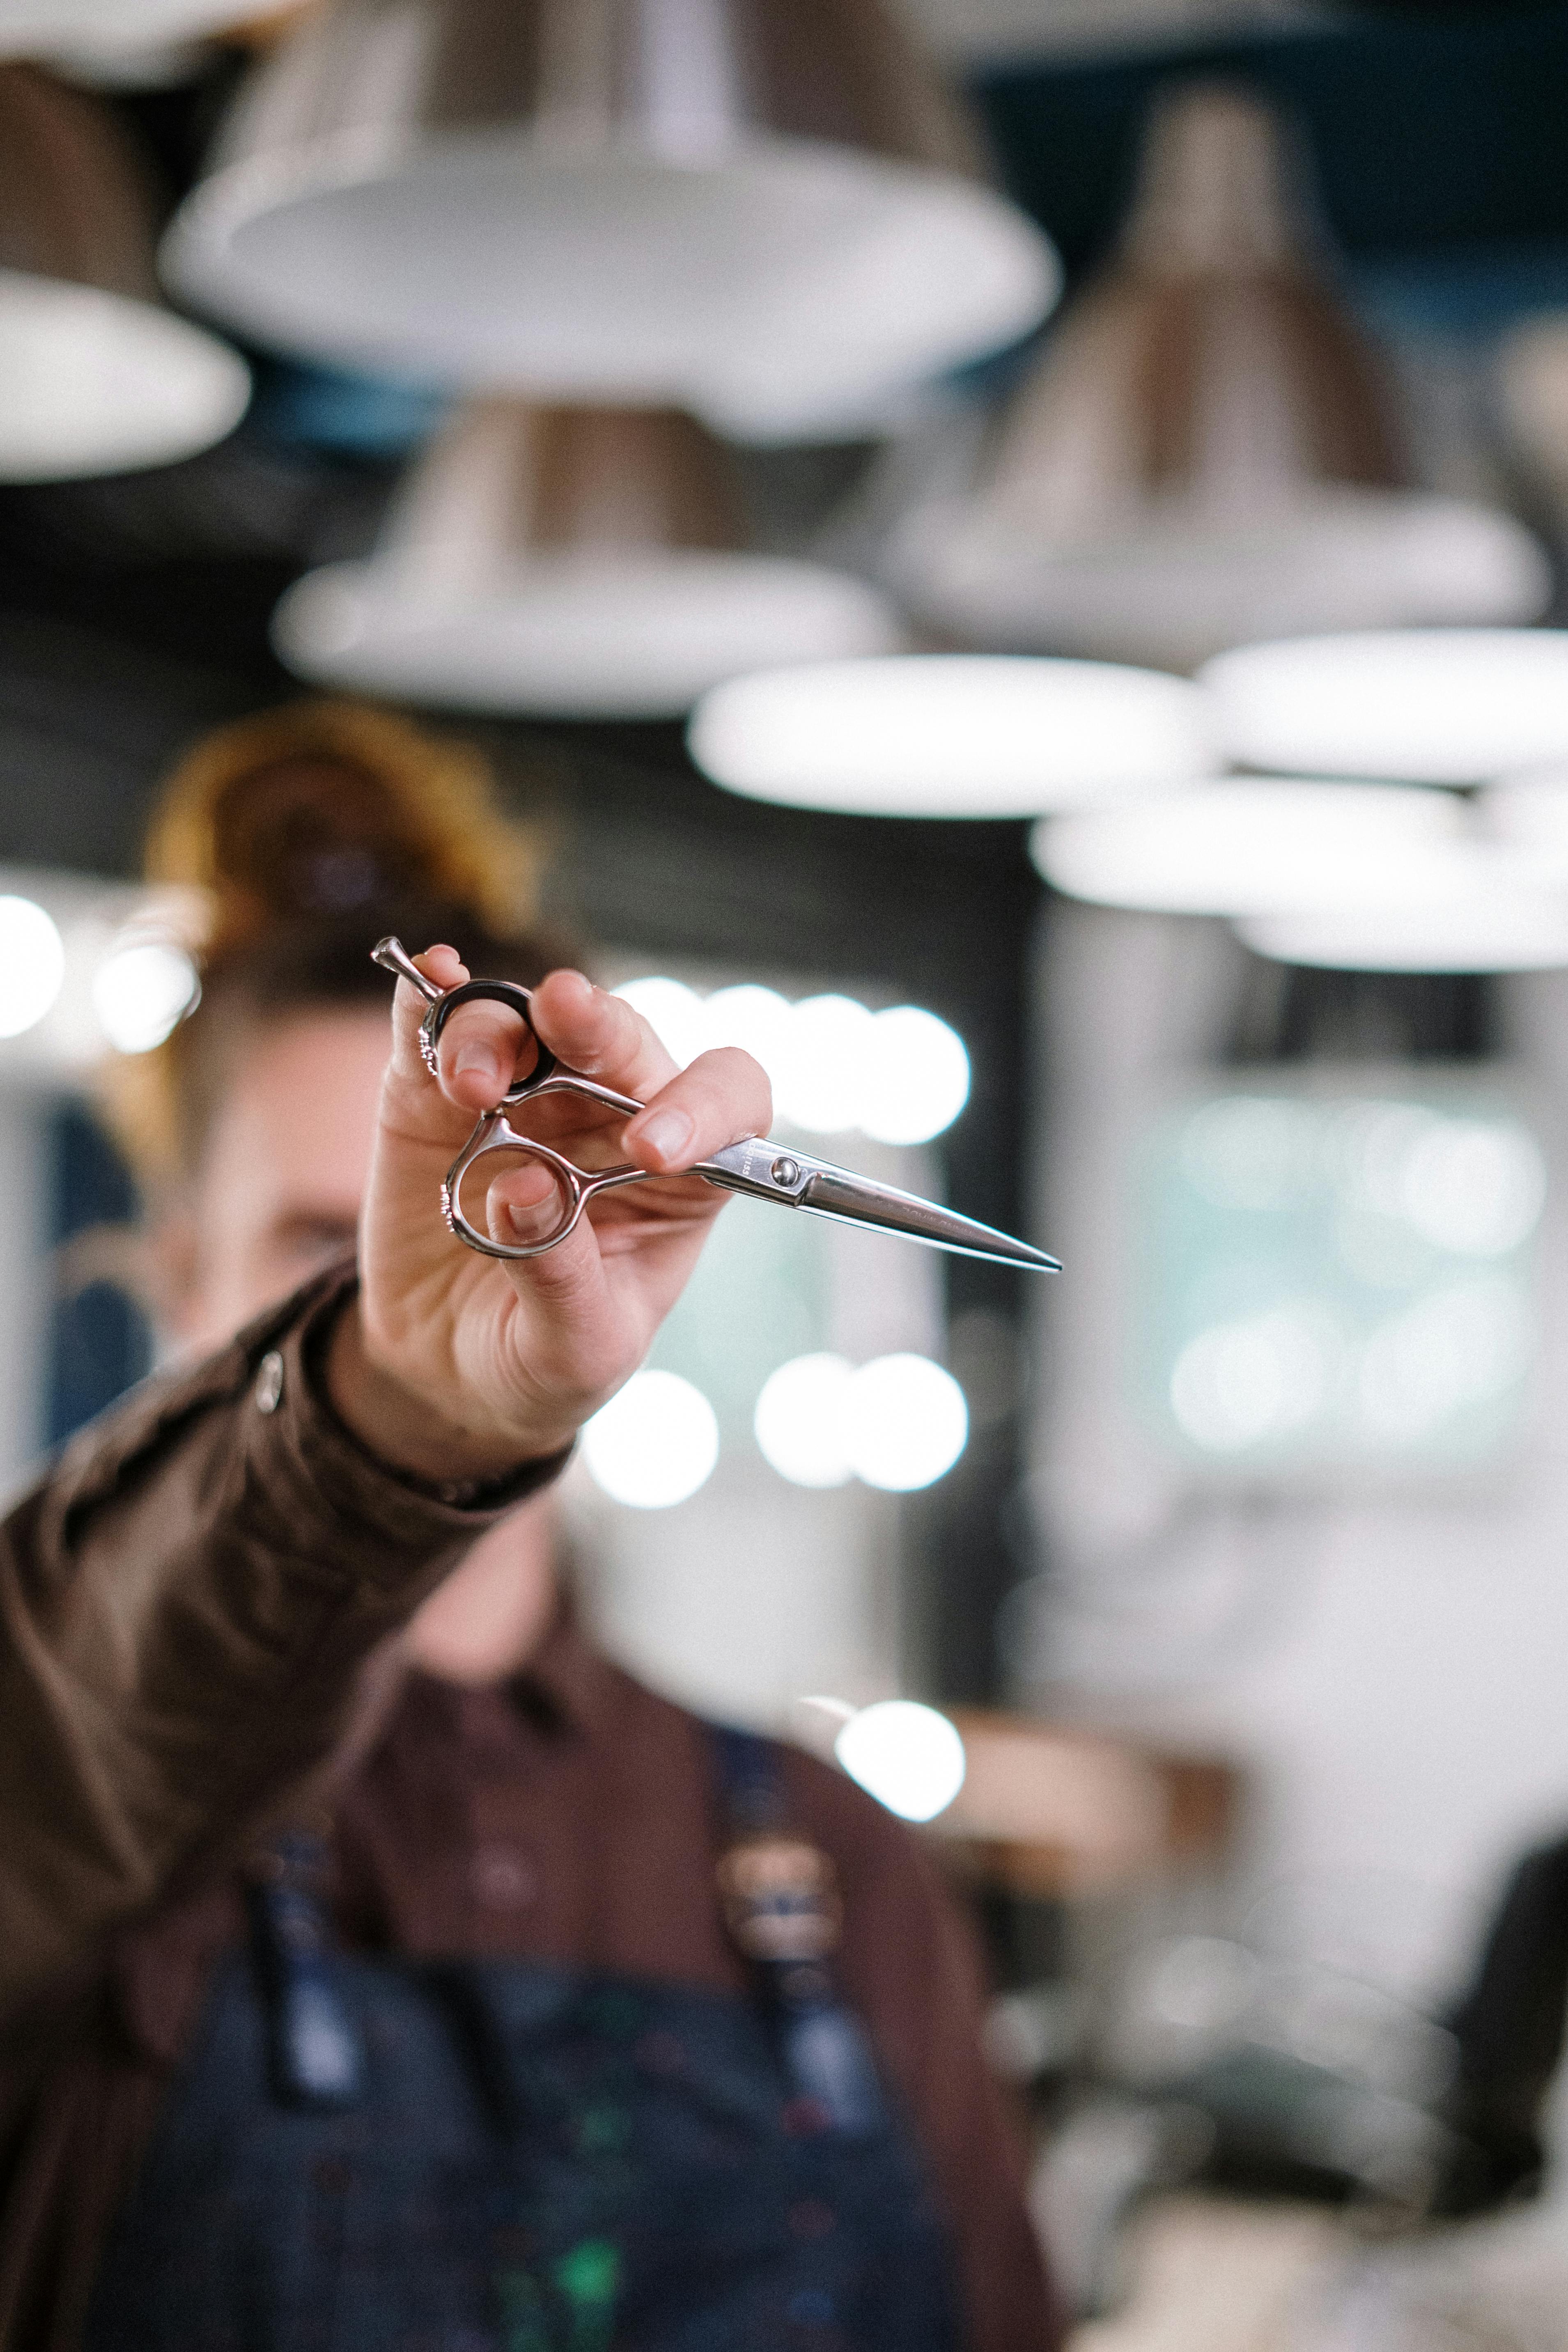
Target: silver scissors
{"type": "Point", "coordinates": [762, 1169]}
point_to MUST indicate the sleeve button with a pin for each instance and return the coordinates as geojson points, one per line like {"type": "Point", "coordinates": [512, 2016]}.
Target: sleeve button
{"type": "Point", "coordinates": [269, 1382]}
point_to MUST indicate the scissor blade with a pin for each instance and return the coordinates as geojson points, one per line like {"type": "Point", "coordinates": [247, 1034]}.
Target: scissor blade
{"type": "Point", "coordinates": [856, 1201]}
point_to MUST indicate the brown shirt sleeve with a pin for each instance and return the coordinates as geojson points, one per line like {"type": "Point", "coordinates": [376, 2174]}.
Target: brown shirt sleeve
{"type": "Point", "coordinates": [911, 1968]}
{"type": "Point", "coordinates": [185, 1603]}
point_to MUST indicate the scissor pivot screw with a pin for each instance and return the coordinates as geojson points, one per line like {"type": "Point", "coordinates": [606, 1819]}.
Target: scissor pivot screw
{"type": "Point", "coordinates": [785, 1172]}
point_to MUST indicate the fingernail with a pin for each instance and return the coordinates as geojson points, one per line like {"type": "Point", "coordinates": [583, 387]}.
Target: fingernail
{"type": "Point", "coordinates": [668, 1132]}
{"type": "Point", "coordinates": [475, 1061]}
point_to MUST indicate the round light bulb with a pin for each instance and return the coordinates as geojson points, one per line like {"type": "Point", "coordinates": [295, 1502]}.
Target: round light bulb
{"type": "Point", "coordinates": [914, 1077]}
{"type": "Point", "coordinates": [905, 1425]}
{"type": "Point", "coordinates": [140, 994]}
{"type": "Point", "coordinates": [907, 1757]}
{"type": "Point", "coordinates": [32, 965]}
{"type": "Point", "coordinates": [655, 1444]}
{"type": "Point", "coordinates": [1430, 706]}
{"type": "Point", "coordinates": [826, 1049]}
{"type": "Point", "coordinates": [800, 1421]}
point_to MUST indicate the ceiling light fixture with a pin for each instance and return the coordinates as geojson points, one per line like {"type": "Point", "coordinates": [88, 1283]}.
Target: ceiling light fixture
{"type": "Point", "coordinates": [96, 377]}
{"type": "Point", "coordinates": [44, 28]}
{"type": "Point", "coordinates": [1433, 706]}
{"type": "Point", "coordinates": [589, 563]}
{"type": "Point", "coordinates": [769, 215]}
{"type": "Point", "coordinates": [1262, 846]}
{"type": "Point", "coordinates": [1204, 452]}
{"type": "Point", "coordinates": [952, 735]}
{"type": "Point", "coordinates": [1508, 927]}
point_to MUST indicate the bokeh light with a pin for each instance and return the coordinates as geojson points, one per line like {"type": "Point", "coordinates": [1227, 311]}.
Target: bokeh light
{"type": "Point", "coordinates": [1348, 1276]}
{"type": "Point", "coordinates": [907, 1757]}
{"type": "Point", "coordinates": [655, 1444]}
{"type": "Point", "coordinates": [900, 1076]}
{"type": "Point", "coordinates": [906, 1422]}
{"type": "Point", "coordinates": [914, 1077]}
{"type": "Point", "coordinates": [140, 994]}
{"type": "Point", "coordinates": [820, 1088]}
{"type": "Point", "coordinates": [32, 965]}
{"type": "Point", "coordinates": [801, 1420]}
{"type": "Point", "coordinates": [900, 1422]}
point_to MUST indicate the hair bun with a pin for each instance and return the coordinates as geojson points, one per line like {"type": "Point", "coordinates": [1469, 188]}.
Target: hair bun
{"type": "Point", "coordinates": [314, 811]}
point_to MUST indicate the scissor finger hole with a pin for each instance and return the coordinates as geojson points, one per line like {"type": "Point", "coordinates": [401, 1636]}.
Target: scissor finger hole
{"type": "Point", "coordinates": [516, 1197]}
{"type": "Point", "coordinates": [531, 1061]}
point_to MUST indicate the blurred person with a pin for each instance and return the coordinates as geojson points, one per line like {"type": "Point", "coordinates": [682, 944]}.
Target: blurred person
{"type": "Point", "coordinates": [544, 2014]}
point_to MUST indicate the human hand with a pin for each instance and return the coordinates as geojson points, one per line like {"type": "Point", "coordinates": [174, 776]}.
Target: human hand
{"type": "Point", "coordinates": [459, 1366]}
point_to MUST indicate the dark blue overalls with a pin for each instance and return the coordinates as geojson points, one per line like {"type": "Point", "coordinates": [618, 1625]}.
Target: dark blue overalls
{"type": "Point", "coordinates": [369, 2154]}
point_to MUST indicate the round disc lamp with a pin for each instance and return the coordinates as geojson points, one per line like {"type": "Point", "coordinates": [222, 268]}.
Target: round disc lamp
{"type": "Point", "coordinates": [952, 735]}
{"type": "Point", "coordinates": [1205, 451]}
{"type": "Point", "coordinates": [43, 27]}
{"type": "Point", "coordinates": [1256, 846]}
{"type": "Point", "coordinates": [585, 563]}
{"type": "Point", "coordinates": [1434, 706]}
{"type": "Point", "coordinates": [96, 377]}
{"type": "Point", "coordinates": [1498, 927]}
{"type": "Point", "coordinates": [764, 211]}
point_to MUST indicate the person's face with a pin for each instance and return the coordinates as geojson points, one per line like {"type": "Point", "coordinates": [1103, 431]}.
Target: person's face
{"type": "Point", "coordinates": [277, 1192]}
{"type": "Point", "coordinates": [278, 1196]}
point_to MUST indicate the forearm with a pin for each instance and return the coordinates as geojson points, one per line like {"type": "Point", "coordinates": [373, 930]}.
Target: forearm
{"type": "Point", "coordinates": [184, 1607]}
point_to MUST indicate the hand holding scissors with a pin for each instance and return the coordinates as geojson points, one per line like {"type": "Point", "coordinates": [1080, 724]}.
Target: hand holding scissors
{"type": "Point", "coordinates": [457, 1365]}
{"type": "Point", "coordinates": [755, 1165]}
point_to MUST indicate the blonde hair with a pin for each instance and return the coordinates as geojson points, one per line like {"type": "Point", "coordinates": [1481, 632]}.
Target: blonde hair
{"type": "Point", "coordinates": [278, 858]}
{"type": "Point", "coordinates": [440, 799]}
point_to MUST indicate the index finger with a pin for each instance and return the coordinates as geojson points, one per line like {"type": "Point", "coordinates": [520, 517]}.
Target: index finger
{"type": "Point", "coordinates": [485, 1045]}
{"type": "Point", "coordinates": [601, 1037]}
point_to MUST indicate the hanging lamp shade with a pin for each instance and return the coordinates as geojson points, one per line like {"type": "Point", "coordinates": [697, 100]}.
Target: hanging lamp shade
{"type": "Point", "coordinates": [952, 735]}
{"type": "Point", "coordinates": [764, 211]}
{"type": "Point", "coordinates": [1533, 400]}
{"type": "Point", "coordinates": [1433, 706]}
{"type": "Point", "coordinates": [589, 563]}
{"type": "Point", "coordinates": [1500, 925]}
{"type": "Point", "coordinates": [96, 377]}
{"type": "Point", "coordinates": [1264, 846]}
{"type": "Point", "coordinates": [44, 28]}
{"type": "Point", "coordinates": [1528, 813]}
{"type": "Point", "coordinates": [1206, 451]}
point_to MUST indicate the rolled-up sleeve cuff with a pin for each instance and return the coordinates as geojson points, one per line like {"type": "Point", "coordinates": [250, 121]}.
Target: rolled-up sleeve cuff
{"type": "Point", "coordinates": [372, 1519]}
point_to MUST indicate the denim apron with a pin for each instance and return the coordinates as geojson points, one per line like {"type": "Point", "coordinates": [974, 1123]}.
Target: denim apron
{"type": "Point", "coordinates": [373, 2154]}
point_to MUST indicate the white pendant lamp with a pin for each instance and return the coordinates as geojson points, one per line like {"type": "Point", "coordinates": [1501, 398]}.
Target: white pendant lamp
{"type": "Point", "coordinates": [96, 377]}
{"type": "Point", "coordinates": [1257, 846]}
{"type": "Point", "coordinates": [1498, 927]}
{"type": "Point", "coordinates": [764, 211]}
{"type": "Point", "coordinates": [947, 735]}
{"type": "Point", "coordinates": [1206, 451]}
{"type": "Point", "coordinates": [46, 27]}
{"type": "Point", "coordinates": [1528, 814]}
{"type": "Point", "coordinates": [585, 563]}
{"type": "Point", "coordinates": [1434, 706]}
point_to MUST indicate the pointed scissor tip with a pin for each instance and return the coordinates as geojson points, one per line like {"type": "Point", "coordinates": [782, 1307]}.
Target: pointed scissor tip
{"type": "Point", "coordinates": [1037, 1261]}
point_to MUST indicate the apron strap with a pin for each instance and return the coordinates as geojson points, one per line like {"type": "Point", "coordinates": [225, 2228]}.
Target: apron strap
{"type": "Point", "coordinates": [780, 1904]}
{"type": "Point", "coordinates": [315, 2052]}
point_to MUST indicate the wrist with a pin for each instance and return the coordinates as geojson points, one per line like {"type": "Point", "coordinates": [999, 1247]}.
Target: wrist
{"type": "Point", "coordinates": [406, 1429]}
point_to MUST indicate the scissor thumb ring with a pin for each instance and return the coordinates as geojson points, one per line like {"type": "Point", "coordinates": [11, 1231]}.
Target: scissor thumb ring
{"type": "Point", "coordinates": [574, 1188]}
